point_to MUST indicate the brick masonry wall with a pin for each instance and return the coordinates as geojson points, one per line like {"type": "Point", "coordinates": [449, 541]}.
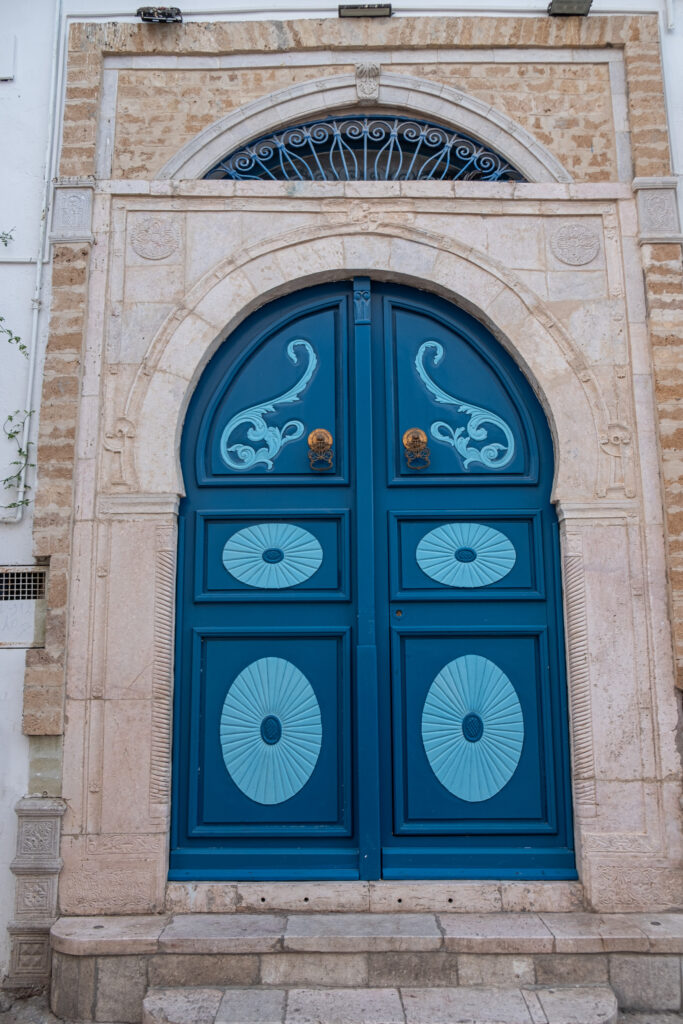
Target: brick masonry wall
{"type": "Point", "coordinates": [664, 286]}
{"type": "Point", "coordinates": [567, 107]}
{"type": "Point", "coordinates": [636, 36]}
{"type": "Point", "coordinates": [44, 680]}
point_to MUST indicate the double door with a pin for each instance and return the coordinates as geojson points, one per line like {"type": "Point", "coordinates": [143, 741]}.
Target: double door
{"type": "Point", "coordinates": [369, 666]}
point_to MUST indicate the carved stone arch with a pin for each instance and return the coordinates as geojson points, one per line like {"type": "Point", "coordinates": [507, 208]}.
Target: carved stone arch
{"type": "Point", "coordinates": [406, 93]}
{"type": "Point", "coordinates": [225, 296]}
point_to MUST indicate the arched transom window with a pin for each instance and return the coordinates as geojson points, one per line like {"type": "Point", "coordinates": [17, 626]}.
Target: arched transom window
{"type": "Point", "coordinates": [366, 148]}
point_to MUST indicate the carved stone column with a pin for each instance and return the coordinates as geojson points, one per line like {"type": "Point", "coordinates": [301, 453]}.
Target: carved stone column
{"type": "Point", "coordinates": [36, 867]}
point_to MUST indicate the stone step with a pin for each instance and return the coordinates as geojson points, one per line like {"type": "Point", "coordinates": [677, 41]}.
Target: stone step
{"type": "Point", "coordinates": [462, 1005]}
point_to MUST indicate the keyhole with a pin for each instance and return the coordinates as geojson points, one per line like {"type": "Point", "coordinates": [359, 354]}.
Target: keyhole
{"type": "Point", "coordinates": [398, 613]}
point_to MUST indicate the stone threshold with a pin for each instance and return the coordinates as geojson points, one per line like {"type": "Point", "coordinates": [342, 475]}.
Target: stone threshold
{"type": "Point", "coordinates": [586, 1005]}
{"type": "Point", "coordinates": [574, 933]}
{"type": "Point", "coordinates": [377, 897]}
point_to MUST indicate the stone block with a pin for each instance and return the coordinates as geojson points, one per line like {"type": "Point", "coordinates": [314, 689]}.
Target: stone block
{"type": "Point", "coordinates": [578, 1005]}
{"type": "Point", "coordinates": [496, 933]}
{"type": "Point", "coordinates": [311, 897]}
{"type": "Point", "coordinates": [121, 987]}
{"type": "Point", "coordinates": [344, 1006]}
{"type": "Point", "coordinates": [102, 936]}
{"type": "Point", "coordinates": [435, 897]}
{"type": "Point", "coordinates": [341, 969]}
{"type": "Point", "coordinates": [72, 989]}
{"type": "Point", "coordinates": [348, 933]}
{"type": "Point", "coordinates": [251, 1006]}
{"type": "Point", "coordinates": [480, 1005]}
{"type": "Point", "coordinates": [572, 969]}
{"type": "Point", "coordinates": [435, 969]}
{"type": "Point", "coordinates": [595, 933]}
{"type": "Point", "coordinates": [178, 969]}
{"type": "Point", "coordinates": [646, 982]}
{"type": "Point", "coordinates": [181, 1006]}
{"type": "Point", "coordinates": [664, 931]}
{"type": "Point", "coordinates": [492, 969]}
{"type": "Point", "coordinates": [223, 933]}
{"type": "Point", "coordinates": [200, 897]}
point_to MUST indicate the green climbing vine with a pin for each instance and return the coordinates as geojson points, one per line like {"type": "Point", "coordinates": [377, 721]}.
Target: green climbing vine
{"type": "Point", "coordinates": [14, 427]}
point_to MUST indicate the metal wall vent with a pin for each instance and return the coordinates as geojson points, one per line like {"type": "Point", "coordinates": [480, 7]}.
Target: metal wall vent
{"type": "Point", "coordinates": [22, 584]}
{"type": "Point", "coordinates": [23, 606]}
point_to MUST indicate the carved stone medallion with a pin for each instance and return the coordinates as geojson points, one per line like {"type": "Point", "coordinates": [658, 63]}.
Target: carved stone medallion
{"type": "Point", "coordinates": [155, 239]}
{"type": "Point", "coordinates": [575, 244]}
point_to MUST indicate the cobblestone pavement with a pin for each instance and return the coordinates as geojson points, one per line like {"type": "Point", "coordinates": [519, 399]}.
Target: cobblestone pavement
{"type": "Point", "coordinates": [36, 1011]}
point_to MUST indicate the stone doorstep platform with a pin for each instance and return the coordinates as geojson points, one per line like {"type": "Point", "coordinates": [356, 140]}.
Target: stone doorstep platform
{"type": "Point", "coordinates": [588, 1005]}
{"type": "Point", "coordinates": [104, 967]}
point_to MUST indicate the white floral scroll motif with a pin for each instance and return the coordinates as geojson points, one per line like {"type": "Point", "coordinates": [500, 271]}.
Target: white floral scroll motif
{"type": "Point", "coordinates": [575, 244]}
{"type": "Point", "coordinates": [155, 239]}
{"type": "Point", "coordinates": [240, 456]}
{"type": "Point", "coordinates": [466, 440]}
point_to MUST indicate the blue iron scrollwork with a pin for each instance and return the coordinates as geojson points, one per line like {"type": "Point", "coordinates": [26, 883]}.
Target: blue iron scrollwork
{"type": "Point", "coordinates": [245, 456]}
{"type": "Point", "coordinates": [365, 149]}
{"type": "Point", "coordinates": [464, 439]}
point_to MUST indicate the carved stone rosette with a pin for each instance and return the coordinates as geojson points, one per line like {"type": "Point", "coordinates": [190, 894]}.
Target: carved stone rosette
{"type": "Point", "coordinates": [36, 867]}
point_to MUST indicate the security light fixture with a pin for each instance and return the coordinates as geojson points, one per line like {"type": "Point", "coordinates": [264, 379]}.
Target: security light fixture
{"type": "Point", "coordinates": [564, 8]}
{"type": "Point", "coordinates": [160, 15]}
{"type": "Point", "coordinates": [365, 10]}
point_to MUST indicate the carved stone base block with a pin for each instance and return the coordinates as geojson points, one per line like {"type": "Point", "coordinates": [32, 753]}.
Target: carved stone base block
{"type": "Point", "coordinates": [36, 867]}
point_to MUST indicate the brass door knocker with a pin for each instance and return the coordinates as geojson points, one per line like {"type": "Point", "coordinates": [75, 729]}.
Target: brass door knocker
{"type": "Point", "coordinates": [320, 453]}
{"type": "Point", "coordinates": [415, 448]}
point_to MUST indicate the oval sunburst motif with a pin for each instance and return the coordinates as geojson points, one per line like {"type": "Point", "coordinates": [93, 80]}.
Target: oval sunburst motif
{"type": "Point", "coordinates": [472, 728]}
{"type": "Point", "coordinates": [272, 556]}
{"type": "Point", "coordinates": [465, 554]}
{"type": "Point", "coordinates": [270, 730]}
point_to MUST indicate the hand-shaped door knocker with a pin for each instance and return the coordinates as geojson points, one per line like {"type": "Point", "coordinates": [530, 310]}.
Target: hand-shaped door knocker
{"type": "Point", "coordinates": [415, 448]}
{"type": "Point", "coordinates": [320, 453]}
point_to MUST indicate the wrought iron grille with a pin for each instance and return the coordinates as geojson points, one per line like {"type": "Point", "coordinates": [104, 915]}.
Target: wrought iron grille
{"type": "Point", "coordinates": [365, 149]}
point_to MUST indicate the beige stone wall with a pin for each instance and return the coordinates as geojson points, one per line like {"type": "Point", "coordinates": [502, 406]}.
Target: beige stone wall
{"type": "Point", "coordinates": [567, 107]}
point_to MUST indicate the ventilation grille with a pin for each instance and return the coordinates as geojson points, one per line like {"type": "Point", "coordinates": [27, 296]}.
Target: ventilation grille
{"type": "Point", "coordinates": [22, 584]}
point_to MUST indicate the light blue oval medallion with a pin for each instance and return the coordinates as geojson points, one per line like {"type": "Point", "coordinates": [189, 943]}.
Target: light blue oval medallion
{"type": "Point", "coordinates": [472, 728]}
{"type": "Point", "coordinates": [465, 555]}
{"type": "Point", "coordinates": [270, 730]}
{"type": "Point", "coordinates": [272, 556]}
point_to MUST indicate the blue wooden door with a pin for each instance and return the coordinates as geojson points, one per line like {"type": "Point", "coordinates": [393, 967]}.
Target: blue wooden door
{"type": "Point", "coordinates": [369, 670]}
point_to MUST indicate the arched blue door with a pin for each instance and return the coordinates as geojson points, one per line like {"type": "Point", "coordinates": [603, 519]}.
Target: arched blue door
{"type": "Point", "coordinates": [369, 670]}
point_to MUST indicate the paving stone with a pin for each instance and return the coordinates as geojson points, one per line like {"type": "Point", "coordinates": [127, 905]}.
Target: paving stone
{"type": "Point", "coordinates": [397, 969]}
{"type": "Point", "coordinates": [121, 987]}
{"type": "Point", "coordinates": [222, 933]}
{"type": "Point", "coordinates": [344, 1006]}
{"type": "Point", "coordinates": [571, 969]}
{"type": "Point", "coordinates": [464, 1004]}
{"type": "Point", "coordinates": [315, 969]}
{"type": "Point", "coordinates": [595, 933]}
{"type": "Point", "coordinates": [252, 1006]}
{"type": "Point", "coordinates": [99, 936]}
{"type": "Point", "coordinates": [181, 1006]}
{"type": "Point", "coordinates": [492, 969]}
{"type": "Point", "coordinates": [180, 969]}
{"type": "Point", "coordinates": [356, 932]}
{"type": "Point", "coordinates": [664, 931]}
{"type": "Point", "coordinates": [496, 933]}
{"type": "Point", "coordinates": [650, 982]}
{"type": "Point", "coordinates": [578, 1005]}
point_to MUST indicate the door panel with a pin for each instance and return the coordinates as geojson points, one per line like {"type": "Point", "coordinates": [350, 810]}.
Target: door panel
{"type": "Point", "coordinates": [369, 671]}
